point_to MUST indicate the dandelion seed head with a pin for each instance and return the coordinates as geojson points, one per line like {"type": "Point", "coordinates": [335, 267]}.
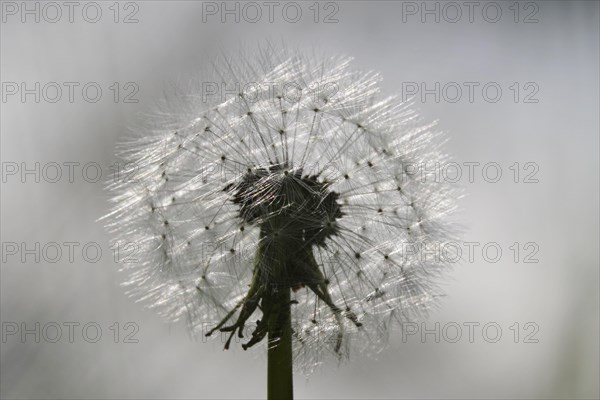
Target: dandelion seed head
{"type": "Point", "coordinates": [300, 182]}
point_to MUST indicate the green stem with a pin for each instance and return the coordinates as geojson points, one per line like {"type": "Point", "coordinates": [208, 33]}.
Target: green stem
{"type": "Point", "coordinates": [279, 354]}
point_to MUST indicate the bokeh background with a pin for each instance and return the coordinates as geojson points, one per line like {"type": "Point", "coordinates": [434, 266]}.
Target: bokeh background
{"type": "Point", "coordinates": [552, 46]}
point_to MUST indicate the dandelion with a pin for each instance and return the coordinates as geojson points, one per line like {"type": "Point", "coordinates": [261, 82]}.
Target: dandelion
{"type": "Point", "coordinates": [286, 204]}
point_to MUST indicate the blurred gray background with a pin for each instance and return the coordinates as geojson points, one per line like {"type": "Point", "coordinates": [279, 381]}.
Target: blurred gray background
{"type": "Point", "coordinates": [547, 311]}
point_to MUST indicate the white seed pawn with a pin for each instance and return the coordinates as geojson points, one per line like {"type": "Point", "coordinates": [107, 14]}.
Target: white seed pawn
{"type": "Point", "coordinates": [301, 182]}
